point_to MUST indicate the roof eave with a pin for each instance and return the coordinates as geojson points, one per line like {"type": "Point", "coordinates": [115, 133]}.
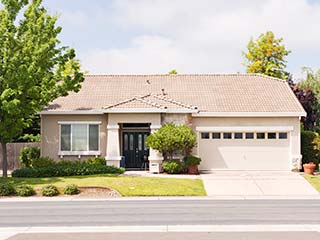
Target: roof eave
{"type": "Point", "coordinates": [249, 114]}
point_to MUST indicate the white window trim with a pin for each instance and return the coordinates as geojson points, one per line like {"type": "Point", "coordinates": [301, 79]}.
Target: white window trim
{"type": "Point", "coordinates": [79, 153]}
{"type": "Point", "coordinates": [245, 129]}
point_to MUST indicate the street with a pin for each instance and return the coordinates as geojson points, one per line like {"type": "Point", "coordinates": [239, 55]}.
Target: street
{"type": "Point", "coordinates": [164, 212]}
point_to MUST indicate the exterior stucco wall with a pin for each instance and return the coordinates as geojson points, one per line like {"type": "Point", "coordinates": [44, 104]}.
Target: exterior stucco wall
{"type": "Point", "coordinates": [50, 134]}
{"type": "Point", "coordinates": [153, 118]}
{"type": "Point", "coordinates": [294, 136]}
{"type": "Point", "coordinates": [176, 118]}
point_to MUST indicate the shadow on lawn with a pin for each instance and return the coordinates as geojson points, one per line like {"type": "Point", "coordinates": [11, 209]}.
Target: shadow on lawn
{"type": "Point", "coordinates": [50, 180]}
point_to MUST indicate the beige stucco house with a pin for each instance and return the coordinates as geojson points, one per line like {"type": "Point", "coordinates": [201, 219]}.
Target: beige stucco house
{"type": "Point", "coordinates": [243, 121]}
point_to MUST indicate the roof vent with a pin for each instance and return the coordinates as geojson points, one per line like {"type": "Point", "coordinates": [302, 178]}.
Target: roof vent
{"type": "Point", "coordinates": [148, 82]}
{"type": "Point", "coordinates": [163, 92]}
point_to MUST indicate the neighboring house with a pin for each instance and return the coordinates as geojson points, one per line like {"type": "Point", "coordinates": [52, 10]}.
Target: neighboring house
{"type": "Point", "coordinates": [243, 121]}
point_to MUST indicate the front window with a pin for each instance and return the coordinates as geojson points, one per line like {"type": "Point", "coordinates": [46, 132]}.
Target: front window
{"type": "Point", "coordinates": [79, 137]}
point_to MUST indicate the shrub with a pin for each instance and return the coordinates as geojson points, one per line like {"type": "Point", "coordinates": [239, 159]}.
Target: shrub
{"type": "Point", "coordinates": [192, 161]}
{"type": "Point", "coordinates": [66, 170]}
{"type": "Point", "coordinates": [25, 191]}
{"type": "Point", "coordinates": [71, 189]}
{"type": "Point", "coordinates": [42, 162]}
{"type": "Point", "coordinates": [49, 191]}
{"type": "Point", "coordinates": [28, 154]}
{"type": "Point", "coordinates": [171, 138]}
{"type": "Point", "coordinates": [309, 146]}
{"type": "Point", "coordinates": [68, 162]}
{"type": "Point", "coordinates": [6, 189]}
{"type": "Point", "coordinates": [96, 161]}
{"type": "Point", "coordinates": [172, 167]}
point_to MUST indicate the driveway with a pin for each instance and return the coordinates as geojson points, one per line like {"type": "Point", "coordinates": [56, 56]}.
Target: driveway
{"type": "Point", "coordinates": [257, 183]}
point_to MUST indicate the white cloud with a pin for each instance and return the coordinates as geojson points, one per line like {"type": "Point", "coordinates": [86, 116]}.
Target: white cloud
{"type": "Point", "coordinates": [204, 35]}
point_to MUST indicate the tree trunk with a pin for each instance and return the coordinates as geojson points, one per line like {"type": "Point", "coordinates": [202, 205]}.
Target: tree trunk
{"type": "Point", "coordinates": [4, 159]}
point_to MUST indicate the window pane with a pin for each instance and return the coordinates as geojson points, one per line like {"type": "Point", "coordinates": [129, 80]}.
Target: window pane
{"type": "Point", "coordinates": [125, 140]}
{"type": "Point", "coordinates": [140, 142]}
{"type": "Point", "coordinates": [249, 135]}
{"type": "Point", "coordinates": [272, 135]}
{"type": "Point", "coordinates": [227, 135]}
{"type": "Point", "coordinates": [130, 142]}
{"type": "Point", "coordinates": [205, 135]}
{"type": "Point", "coordinates": [79, 137]}
{"type": "Point", "coordinates": [93, 137]}
{"type": "Point", "coordinates": [216, 135]}
{"type": "Point", "coordinates": [283, 135]}
{"type": "Point", "coordinates": [145, 144]}
{"type": "Point", "coordinates": [238, 135]}
{"type": "Point", "coordinates": [260, 135]}
{"type": "Point", "coordinates": [65, 140]}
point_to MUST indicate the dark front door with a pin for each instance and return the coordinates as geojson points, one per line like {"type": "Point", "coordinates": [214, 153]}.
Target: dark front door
{"type": "Point", "coordinates": [134, 149]}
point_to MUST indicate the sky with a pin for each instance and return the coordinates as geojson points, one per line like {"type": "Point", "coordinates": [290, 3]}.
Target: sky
{"type": "Point", "coordinates": [191, 36]}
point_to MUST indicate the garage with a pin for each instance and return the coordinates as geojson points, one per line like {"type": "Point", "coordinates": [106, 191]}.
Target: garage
{"type": "Point", "coordinates": [243, 148]}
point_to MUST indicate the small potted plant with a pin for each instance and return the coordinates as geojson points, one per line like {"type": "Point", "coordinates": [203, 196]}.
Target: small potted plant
{"type": "Point", "coordinates": [192, 163]}
{"type": "Point", "coordinates": [309, 168]}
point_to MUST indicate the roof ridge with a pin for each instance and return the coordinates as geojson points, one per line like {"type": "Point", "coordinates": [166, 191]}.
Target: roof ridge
{"type": "Point", "coordinates": [174, 75]}
{"type": "Point", "coordinates": [123, 102]}
{"type": "Point", "coordinates": [159, 96]}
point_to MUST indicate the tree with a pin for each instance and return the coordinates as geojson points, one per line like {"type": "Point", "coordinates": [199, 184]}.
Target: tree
{"type": "Point", "coordinates": [171, 138]}
{"type": "Point", "coordinates": [309, 102]}
{"type": "Point", "coordinates": [312, 83]}
{"type": "Point", "coordinates": [173, 71]}
{"type": "Point", "coordinates": [266, 55]}
{"type": "Point", "coordinates": [34, 68]}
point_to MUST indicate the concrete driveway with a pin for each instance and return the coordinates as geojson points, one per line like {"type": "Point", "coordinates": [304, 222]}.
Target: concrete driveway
{"type": "Point", "coordinates": [257, 183]}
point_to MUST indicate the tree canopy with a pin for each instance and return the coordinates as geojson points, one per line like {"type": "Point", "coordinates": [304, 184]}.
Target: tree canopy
{"type": "Point", "coordinates": [266, 55]}
{"type": "Point", "coordinates": [34, 68]}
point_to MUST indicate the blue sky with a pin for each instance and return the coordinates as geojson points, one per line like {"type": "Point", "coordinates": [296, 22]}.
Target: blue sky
{"type": "Point", "coordinates": [203, 36]}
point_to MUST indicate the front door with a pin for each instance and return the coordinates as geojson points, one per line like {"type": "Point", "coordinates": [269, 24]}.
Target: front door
{"type": "Point", "coordinates": [134, 149]}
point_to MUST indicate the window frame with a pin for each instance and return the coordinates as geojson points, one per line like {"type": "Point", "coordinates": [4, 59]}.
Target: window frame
{"type": "Point", "coordinates": [269, 134]}
{"type": "Point", "coordinates": [213, 133]}
{"type": "Point", "coordinates": [264, 135]}
{"type": "Point", "coordinates": [235, 135]}
{"type": "Point", "coordinates": [82, 152]}
{"type": "Point", "coordinates": [287, 135]}
{"type": "Point", "coordinates": [231, 135]}
{"type": "Point", "coordinates": [201, 136]}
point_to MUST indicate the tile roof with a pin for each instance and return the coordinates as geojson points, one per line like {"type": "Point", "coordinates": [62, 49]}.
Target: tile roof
{"type": "Point", "coordinates": [205, 92]}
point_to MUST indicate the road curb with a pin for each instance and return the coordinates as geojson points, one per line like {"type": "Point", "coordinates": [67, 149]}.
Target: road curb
{"type": "Point", "coordinates": [218, 197]}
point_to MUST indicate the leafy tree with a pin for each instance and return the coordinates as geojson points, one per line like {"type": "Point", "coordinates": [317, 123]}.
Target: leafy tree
{"type": "Point", "coordinates": [34, 68]}
{"type": "Point", "coordinates": [171, 138]}
{"type": "Point", "coordinates": [312, 83]}
{"type": "Point", "coordinates": [173, 71]}
{"type": "Point", "coordinates": [309, 102]}
{"type": "Point", "coordinates": [266, 55]}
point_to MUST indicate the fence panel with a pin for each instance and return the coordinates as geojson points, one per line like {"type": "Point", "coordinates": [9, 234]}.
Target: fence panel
{"type": "Point", "coordinates": [13, 150]}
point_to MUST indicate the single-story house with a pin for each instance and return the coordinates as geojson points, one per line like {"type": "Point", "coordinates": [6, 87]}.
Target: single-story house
{"type": "Point", "coordinates": [243, 121]}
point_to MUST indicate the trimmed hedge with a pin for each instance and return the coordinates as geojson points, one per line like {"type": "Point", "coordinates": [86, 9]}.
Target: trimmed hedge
{"type": "Point", "coordinates": [66, 170]}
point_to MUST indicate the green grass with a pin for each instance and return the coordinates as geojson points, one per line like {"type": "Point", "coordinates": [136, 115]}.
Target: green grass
{"type": "Point", "coordinates": [314, 181]}
{"type": "Point", "coordinates": [125, 185]}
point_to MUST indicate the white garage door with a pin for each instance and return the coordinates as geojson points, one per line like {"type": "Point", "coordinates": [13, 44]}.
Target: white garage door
{"type": "Point", "coordinates": [244, 150]}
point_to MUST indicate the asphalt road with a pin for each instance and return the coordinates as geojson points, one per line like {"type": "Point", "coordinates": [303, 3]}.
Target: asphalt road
{"type": "Point", "coordinates": [163, 212]}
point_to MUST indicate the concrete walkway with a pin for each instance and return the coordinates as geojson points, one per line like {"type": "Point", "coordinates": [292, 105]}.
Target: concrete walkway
{"type": "Point", "coordinates": [256, 183]}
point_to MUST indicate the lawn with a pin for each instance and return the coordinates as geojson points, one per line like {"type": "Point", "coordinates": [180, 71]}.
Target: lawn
{"type": "Point", "coordinates": [125, 185]}
{"type": "Point", "coordinates": [314, 181]}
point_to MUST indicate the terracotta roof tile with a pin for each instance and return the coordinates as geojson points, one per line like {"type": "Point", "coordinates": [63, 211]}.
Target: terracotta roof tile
{"type": "Point", "coordinates": [207, 92]}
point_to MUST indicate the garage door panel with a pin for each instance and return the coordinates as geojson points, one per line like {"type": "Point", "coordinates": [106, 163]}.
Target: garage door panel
{"type": "Point", "coordinates": [241, 154]}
